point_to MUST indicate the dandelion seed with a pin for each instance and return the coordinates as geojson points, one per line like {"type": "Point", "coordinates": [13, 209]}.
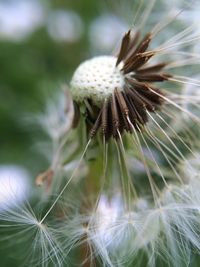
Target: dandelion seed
{"type": "Point", "coordinates": [20, 224]}
{"type": "Point", "coordinates": [119, 88]}
{"type": "Point", "coordinates": [121, 115]}
{"type": "Point", "coordinates": [117, 97]}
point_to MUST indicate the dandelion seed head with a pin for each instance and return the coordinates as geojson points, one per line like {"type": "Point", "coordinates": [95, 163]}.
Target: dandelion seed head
{"type": "Point", "coordinates": [118, 92]}
{"type": "Point", "coordinates": [155, 211]}
{"type": "Point", "coordinates": [96, 79]}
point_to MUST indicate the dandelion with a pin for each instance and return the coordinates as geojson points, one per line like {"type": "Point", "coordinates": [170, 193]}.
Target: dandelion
{"type": "Point", "coordinates": [127, 145]}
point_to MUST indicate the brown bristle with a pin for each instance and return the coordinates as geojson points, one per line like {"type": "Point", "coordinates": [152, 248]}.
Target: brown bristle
{"type": "Point", "coordinates": [96, 125]}
{"type": "Point", "coordinates": [144, 44]}
{"type": "Point", "coordinates": [132, 111]}
{"type": "Point", "coordinates": [138, 61]}
{"type": "Point", "coordinates": [123, 109]}
{"type": "Point", "coordinates": [104, 118]}
{"type": "Point", "coordinates": [152, 69]}
{"type": "Point", "coordinates": [121, 101]}
{"type": "Point", "coordinates": [128, 107]}
{"type": "Point", "coordinates": [153, 77]}
{"type": "Point", "coordinates": [76, 116]}
{"type": "Point", "coordinates": [146, 90]}
{"type": "Point", "coordinates": [110, 130]}
{"type": "Point", "coordinates": [139, 106]}
{"type": "Point", "coordinates": [124, 47]}
{"type": "Point", "coordinates": [133, 43]}
{"type": "Point", "coordinates": [115, 115]}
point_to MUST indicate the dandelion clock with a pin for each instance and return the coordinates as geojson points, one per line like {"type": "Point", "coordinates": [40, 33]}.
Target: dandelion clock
{"type": "Point", "coordinates": [121, 187]}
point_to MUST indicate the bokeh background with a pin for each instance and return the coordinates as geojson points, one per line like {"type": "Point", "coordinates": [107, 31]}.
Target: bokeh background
{"type": "Point", "coordinates": [41, 44]}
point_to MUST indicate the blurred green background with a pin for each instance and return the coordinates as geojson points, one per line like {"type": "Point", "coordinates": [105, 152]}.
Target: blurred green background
{"type": "Point", "coordinates": [41, 43]}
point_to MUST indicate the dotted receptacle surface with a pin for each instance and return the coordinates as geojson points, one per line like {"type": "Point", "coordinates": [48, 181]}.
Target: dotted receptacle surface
{"type": "Point", "coordinates": [96, 79]}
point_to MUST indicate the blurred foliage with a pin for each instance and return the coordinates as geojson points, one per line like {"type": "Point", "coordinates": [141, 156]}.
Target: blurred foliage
{"type": "Point", "coordinates": [31, 70]}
